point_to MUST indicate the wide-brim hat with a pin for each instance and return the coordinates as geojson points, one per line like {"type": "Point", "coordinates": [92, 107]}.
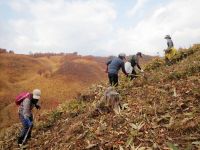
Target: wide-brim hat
{"type": "Point", "coordinates": [167, 37]}
{"type": "Point", "coordinates": [139, 54]}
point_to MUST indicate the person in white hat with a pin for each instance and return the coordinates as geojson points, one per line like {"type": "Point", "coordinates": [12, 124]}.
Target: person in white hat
{"type": "Point", "coordinates": [113, 67]}
{"type": "Point", "coordinates": [26, 116]}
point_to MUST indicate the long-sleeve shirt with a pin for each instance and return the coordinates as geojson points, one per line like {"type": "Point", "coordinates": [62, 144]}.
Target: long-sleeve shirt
{"type": "Point", "coordinates": [170, 43]}
{"type": "Point", "coordinates": [26, 107]}
{"type": "Point", "coordinates": [134, 61]}
{"type": "Point", "coordinates": [114, 66]}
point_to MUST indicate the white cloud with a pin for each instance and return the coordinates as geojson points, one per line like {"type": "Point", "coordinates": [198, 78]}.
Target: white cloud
{"type": "Point", "coordinates": [89, 26]}
{"type": "Point", "coordinates": [139, 5]}
{"type": "Point", "coordinates": [61, 25]}
{"type": "Point", "coordinates": [178, 18]}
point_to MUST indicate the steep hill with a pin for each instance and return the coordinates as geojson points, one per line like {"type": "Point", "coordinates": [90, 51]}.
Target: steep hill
{"type": "Point", "coordinates": [159, 110]}
{"type": "Point", "coordinates": [59, 78]}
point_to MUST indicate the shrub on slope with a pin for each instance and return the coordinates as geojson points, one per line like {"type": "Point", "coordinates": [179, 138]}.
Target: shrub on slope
{"type": "Point", "coordinates": [158, 112]}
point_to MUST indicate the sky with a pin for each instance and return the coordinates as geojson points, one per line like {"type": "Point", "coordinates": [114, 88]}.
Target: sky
{"type": "Point", "coordinates": [98, 27]}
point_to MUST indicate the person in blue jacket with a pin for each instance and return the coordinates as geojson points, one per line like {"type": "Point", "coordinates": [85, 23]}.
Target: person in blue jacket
{"type": "Point", "coordinates": [113, 67]}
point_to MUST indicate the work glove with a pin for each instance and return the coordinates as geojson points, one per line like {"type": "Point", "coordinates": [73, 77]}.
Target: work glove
{"type": "Point", "coordinates": [28, 121]}
{"type": "Point", "coordinates": [37, 106]}
{"type": "Point", "coordinates": [126, 74]}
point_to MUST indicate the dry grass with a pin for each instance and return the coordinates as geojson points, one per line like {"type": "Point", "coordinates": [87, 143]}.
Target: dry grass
{"type": "Point", "coordinates": [24, 73]}
{"type": "Point", "coordinates": [157, 112]}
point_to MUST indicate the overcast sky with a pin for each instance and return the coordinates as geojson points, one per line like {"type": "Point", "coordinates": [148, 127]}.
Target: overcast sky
{"type": "Point", "coordinates": [98, 27]}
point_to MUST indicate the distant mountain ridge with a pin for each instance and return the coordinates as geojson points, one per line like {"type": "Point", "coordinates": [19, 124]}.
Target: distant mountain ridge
{"type": "Point", "coordinates": [59, 77]}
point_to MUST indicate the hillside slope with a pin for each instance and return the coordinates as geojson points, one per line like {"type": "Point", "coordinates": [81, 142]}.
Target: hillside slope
{"type": "Point", "coordinates": [24, 73]}
{"type": "Point", "coordinates": [160, 110]}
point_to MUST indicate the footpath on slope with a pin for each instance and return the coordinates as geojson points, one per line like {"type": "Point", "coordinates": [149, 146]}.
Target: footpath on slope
{"type": "Point", "coordinates": [160, 110]}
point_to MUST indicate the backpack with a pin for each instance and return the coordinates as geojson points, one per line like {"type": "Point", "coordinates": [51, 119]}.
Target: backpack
{"type": "Point", "coordinates": [19, 98]}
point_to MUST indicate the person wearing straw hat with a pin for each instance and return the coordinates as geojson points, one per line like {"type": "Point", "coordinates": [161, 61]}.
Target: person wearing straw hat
{"type": "Point", "coordinates": [26, 116]}
{"type": "Point", "coordinates": [170, 52]}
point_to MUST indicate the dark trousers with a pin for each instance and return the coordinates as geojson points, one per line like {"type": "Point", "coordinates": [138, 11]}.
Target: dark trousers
{"type": "Point", "coordinates": [24, 129]}
{"type": "Point", "coordinates": [133, 74]}
{"type": "Point", "coordinates": [113, 79]}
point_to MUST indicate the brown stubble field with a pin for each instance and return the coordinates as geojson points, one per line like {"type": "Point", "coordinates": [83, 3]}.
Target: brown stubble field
{"type": "Point", "coordinates": [60, 78]}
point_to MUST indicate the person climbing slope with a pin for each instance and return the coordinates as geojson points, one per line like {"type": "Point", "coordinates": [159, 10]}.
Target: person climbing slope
{"type": "Point", "coordinates": [27, 103]}
{"type": "Point", "coordinates": [113, 67]}
{"type": "Point", "coordinates": [130, 65]}
{"type": "Point", "coordinates": [170, 52]}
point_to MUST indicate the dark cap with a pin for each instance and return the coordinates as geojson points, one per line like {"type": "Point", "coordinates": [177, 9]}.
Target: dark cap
{"type": "Point", "coordinates": [167, 37]}
{"type": "Point", "coordinates": [122, 55]}
{"type": "Point", "coordinates": [139, 54]}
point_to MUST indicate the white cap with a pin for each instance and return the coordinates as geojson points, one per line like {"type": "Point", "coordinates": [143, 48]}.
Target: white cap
{"type": "Point", "coordinates": [36, 94]}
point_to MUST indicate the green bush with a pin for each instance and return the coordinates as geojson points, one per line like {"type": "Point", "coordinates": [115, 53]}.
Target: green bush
{"type": "Point", "coordinates": [55, 115]}
{"type": "Point", "coordinates": [156, 63]}
{"type": "Point", "coordinates": [193, 69]}
{"type": "Point", "coordinates": [176, 75]}
{"type": "Point", "coordinates": [188, 72]}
